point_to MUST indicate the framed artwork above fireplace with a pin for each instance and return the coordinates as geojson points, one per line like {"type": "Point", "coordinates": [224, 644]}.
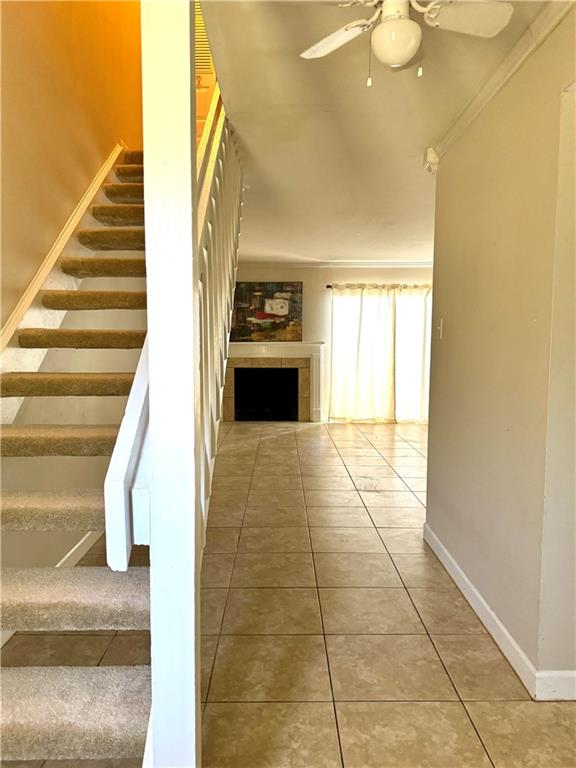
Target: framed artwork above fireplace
{"type": "Point", "coordinates": [267, 312]}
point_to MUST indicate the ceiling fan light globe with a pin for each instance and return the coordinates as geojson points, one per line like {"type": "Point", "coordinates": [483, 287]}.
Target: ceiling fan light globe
{"type": "Point", "coordinates": [396, 41]}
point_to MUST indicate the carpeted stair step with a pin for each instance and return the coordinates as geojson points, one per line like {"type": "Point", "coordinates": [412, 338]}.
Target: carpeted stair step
{"type": "Point", "coordinates": [73, 713]}
{"type": "Point", "coordinates": [52, 510]}
{"type": "Point", "coordinates": [94, 299]}
{"type": "Point", "coordinates": [122, 215]}
{"type": "Point", "coordinates": [124, 193]}
{"type": "Point", "coordinates": [104, 266]}
{"type": "Point", "coordinates": [135, 156]}
{"type": "Point", "coordinates": [80, 338]}
{"type": "Point", "coordinates": [131, 172]}
{"type": "Point", "coordinates": [74, 599]}
{"type": "Point", "coordinates": [77, 384]}
{"type": "Point", "coordinates": [57, 440]}
{"type": "Point", "coordinates": [113, 238]}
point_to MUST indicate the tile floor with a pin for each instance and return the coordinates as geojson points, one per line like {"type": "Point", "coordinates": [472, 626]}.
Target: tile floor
{"type": "Point", "coordinates": [332, 636]}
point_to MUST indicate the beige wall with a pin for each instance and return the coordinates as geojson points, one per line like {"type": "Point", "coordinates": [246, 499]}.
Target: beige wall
{"type": "Point", "coordinates": [317, 298]}
{"type": "Point", "coordinates": [493, 286]}
{"type": "Point", "coordinates": [70, 90]}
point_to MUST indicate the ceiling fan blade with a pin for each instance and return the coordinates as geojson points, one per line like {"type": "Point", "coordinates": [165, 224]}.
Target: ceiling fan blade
{"type": "Point", "coordinates": [337, 39]}
{"type": "Point", "coordinates": [481, 19]}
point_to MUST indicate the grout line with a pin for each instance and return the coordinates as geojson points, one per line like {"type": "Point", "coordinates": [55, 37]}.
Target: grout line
{"type": "Point", "coordinates": [323, 631]}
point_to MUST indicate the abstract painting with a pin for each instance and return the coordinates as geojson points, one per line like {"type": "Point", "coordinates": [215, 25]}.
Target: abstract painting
{"type": "Point", "coordinates": [267, 312]}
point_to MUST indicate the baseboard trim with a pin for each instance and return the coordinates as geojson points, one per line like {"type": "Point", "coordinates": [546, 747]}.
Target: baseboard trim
{"type": "Point", "coordinates": [543, 685]}
{"type": "Point", "coordinates": [11, 325]}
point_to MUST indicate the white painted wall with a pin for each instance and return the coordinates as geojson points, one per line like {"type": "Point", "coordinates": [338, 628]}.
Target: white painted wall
{"type": "Point", "coordinates": [317, 298]}
{"type": "Point", "coordinates": [500, 393]}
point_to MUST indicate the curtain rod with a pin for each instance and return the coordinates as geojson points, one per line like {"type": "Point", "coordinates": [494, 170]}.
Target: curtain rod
{"type": "Point", "coordinates": [330, 286]}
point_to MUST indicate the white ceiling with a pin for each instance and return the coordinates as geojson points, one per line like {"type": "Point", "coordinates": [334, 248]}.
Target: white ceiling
{"type": "Point", "coordinates": [334, 169]}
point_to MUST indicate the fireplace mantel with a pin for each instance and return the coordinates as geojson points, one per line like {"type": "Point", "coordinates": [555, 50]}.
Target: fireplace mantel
{"type": "Point", "coordinates": [293, 349]}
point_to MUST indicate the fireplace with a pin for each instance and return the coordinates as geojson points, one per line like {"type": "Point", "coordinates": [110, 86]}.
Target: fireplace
{"type": "Point", "coordinates": [303, 359]}
{"type": "Point", "coordinates": [266, 394]}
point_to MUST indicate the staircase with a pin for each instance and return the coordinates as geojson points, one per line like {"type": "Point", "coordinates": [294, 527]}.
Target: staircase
{"type": "Point", "coordinates": [76, 713]}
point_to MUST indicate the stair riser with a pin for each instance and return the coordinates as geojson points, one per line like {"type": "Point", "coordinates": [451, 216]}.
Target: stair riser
{"type": "Point", "coordinates": [119, 215]}
{"type": "Point", "coordinates": [40, 338]}
{"type": "Point", "coordinates": [118, 239]}
{"type": "Point", "coordinates": [65, 385]}
{"type": "Point", "coordinates": [124, 193]}
{"type": "Point", "coordinates": [78, 300]}
{"type": "Point", "coordinates": [100, 267]}
{"type": "Point", "coordinates": [135, 156]}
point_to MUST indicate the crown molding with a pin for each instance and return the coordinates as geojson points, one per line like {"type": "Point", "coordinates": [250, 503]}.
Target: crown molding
{"type": "Point", "coordinates": [543, 25]}
{"type": "Point", "coordinates": [334, 264]}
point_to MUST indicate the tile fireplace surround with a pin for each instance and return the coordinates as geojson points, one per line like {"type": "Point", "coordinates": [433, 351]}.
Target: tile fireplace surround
{"type": "Point", "coordinates": [306, 356]}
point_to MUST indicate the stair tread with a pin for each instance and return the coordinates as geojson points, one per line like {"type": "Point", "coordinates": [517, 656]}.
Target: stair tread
{"type": "Point", "coordinates": [94, 266]}
{"type": "Point", "coordinates": [80, 338]}
{"type": "Point", "coordinates": [45, 384]}
{"type": "Point", "coordinates": [113, 238]}
{"type": "Point", "coordinates": [74, 599]}
{"type": "Point", "coordinates": [58, 440]}
{"type": "Point", "coordinates": [134, 156]}
{"type": "Point", "coordinates": [119, 214]}
{"type": "Point", "coordinates": [52, 510]}
{"type": "Point", "coordinates": [126, 192]}
{"type": "Point", "coordinates": [74, 712]}
{"type": "Point", "coordinates": [130, 171]}
{"type": "Point", "coordinates": [94, 299]}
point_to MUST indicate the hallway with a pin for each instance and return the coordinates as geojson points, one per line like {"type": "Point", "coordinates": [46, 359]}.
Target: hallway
{"type": "Point", "coordinates": [331, 634]}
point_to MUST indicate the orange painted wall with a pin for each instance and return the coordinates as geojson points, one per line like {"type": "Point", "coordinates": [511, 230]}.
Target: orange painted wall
{"type": "Point", "coordinates": [71, 89]}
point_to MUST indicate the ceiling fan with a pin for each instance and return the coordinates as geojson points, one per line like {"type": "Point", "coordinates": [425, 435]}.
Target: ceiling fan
{"type": "Point", "coordinates": [396, 37]}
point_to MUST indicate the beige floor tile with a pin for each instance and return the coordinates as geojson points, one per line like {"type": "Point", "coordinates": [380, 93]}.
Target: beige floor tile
{"type": "Point", "coordinates": [408, 461]}
{"type": "Point", "coordinates": [368, 611]}
{"type": "Point", "coordinates": [355, 453]}
{"type": "Point", "coordinates": [126, 762]}
{"type": "Point", "coordinates": [398, 517]}
{"type": "Point", "coordinates": [417, 484]}
{"type": "Point", "coordinates": [371, 471]}
{"type": "Point", "coordinates": [478, 668]}
{"type": "Point", "coordinates": [403, 540]}
{"type": "Point", "coordinates": [276, 498]}
{"type": "Point", "coordinates": [320, 459]}
{"type": "Point", "coordinates": [212, 610]}
{"type": "Point", "coordinates": [409, 735]}
{"type": "Point", "coordinates": [527, 734]}
{"type": "Point", "coordinates": [323, 470]}
{"type": "Point", "coordinates": [274, 735]}
{"type": "Point", "coordinates": [350, 569]}
{"type": "Point", "coordinates": [228, 482]}
{"type": "Point", "coordinates": [271, 668]}
{"type": "Point", "coordinates": [266, 469]}
{"type": "Point", "coordinates": [387, 668]}
{"type": "Point", "coordinates": [41, 650]}
{"type": "Point", "coordinates": [230, 469]}
{"type": "Point", "coordinates": [208, 647]}
{"type": "Point", "coordinates": [396, 452]}
{"type": "Point", "coordinates": [275, 516]}
{"type": "Point", "coordinates": [221, 540]}
{"type": "Point", "coordinates": [278, 483]}
{"type": "Point", "coordinates": [446, 612]}
{"type": "Point", "coordinates": [340, 517]}
{"type": "Point", "coordinates": [280, 539]}
{"type": "Point", "coordinates": [333, 499]}
{"type": "Point", "coordinates": [421, 497]}
{"type": "Point", "coordinates": [273, 570]}
{"type": "Point", "coordinates": [223, 516]}
{"type": "Point", "coordinates": [229, 498]}
{"type": "Point", "coordinates": [424, 571]}
{"type": "Point", "coordinates": [389, 498]}
{"type": "Point", "coordinates": [272, 612]}
{"type": "Point", "coordinates": [379, 484]}
{"type": "Point", "coordinates": [346, 540]}
{"type": "Point", "coordinates": [127, 650]}
{"type": "Point", "coordinates": [328, 484]}
{"type": "Point", "coordinates": [411, 472]}
{"type": "Point", "coordinates": [217, 570]}
{"type": "Point", "coordinates": [365, 461]}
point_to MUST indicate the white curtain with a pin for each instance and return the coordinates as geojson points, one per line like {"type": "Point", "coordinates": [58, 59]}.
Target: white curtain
{"type": "Point", "coordinates": [380, 352]}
